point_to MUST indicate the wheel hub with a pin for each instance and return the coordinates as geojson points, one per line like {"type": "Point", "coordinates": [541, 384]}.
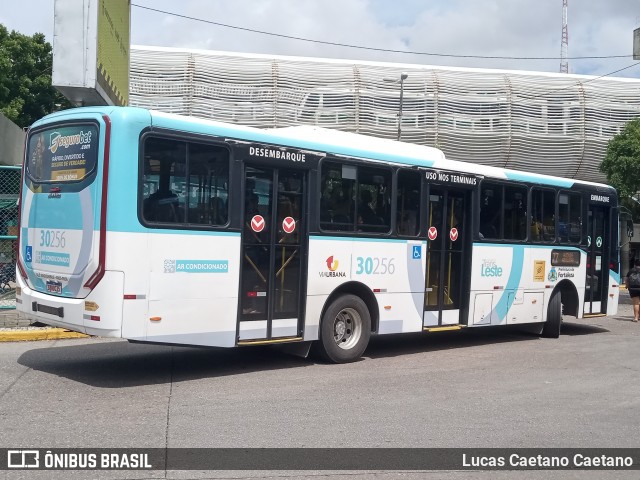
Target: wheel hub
{"type": "Point", "coordinates": [340, 329]}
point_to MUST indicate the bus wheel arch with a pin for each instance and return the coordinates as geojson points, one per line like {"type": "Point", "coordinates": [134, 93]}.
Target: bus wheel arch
{"type": "Point", "coordinates": [569, 295]}
{"type": "Point", "coordinates": [564, 300]}
{"type": "Point", "coordinates": [359, 290]}
{"type": "Point", "coordinates": [346, 323]}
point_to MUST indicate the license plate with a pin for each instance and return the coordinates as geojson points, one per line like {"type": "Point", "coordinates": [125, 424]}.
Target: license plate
{"type": "Point", "coordinates": [54, 287]}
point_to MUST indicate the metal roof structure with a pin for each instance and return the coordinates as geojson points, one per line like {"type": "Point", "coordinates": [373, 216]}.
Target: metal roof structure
{"type": "Point", "coordinates": [547, 123]}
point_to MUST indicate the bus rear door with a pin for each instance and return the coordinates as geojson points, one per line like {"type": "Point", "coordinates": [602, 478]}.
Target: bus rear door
{"type": "Point", "coordinates": [274, 245]}
{"type": "Point", "coordinates": [448, 256]}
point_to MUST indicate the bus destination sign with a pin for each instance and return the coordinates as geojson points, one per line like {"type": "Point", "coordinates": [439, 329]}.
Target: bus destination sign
{"type": "Point", "coordinates": [565, 258]}
{"type": "Point", "coordinates": [453, 178]}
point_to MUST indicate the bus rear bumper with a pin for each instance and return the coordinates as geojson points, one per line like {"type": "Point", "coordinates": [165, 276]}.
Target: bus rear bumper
{"type": "Point", "coordinates": [100, 313]}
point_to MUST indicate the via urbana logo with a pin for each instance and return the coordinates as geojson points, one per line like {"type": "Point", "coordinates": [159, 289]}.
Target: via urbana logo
{"type": "Point", "coordinates": [332, 265]}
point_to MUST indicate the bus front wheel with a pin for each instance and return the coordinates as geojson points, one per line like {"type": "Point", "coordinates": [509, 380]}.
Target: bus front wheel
{"type": "Point", "coordinates": [345, 330]}
{"type": "Point", "coordinates": [553, 324]}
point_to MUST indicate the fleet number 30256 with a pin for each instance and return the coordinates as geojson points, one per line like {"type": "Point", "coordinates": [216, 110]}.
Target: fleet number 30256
{"type": "Point", "coordinates": [375, 266]}
{"type": "Point", "coordinates": [53, 238]}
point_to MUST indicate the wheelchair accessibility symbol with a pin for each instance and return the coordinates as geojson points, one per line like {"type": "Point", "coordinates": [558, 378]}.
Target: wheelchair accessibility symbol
{"type": "Point", "coordinates": [417, 252]}
{"type": "Point", "coordinates": [28, 254]}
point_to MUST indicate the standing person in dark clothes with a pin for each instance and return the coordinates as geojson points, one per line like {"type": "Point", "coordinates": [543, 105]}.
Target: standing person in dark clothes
{"type": "Point", "coordinates": [633, 284]}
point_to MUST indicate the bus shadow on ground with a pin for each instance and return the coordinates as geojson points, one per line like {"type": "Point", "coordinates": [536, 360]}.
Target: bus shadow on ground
{"type": "Point", "coordinates": [123, 364]}
{"type": "Point", "coordinates": [573, 329]}
{"type": "Point", "coordinates": [119, 364]}
{"type": "Point", "coordinates": [394, 345]}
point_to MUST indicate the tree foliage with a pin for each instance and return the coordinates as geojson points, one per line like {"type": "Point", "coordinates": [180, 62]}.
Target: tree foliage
{"type": "Point", "coordinates": [622, 161]}
{"type": "Point", "coordinates": [26, 93]}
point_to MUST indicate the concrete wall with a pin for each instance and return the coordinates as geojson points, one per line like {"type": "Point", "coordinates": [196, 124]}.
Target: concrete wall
{"type": "Point", "coordinates": [11, 142]}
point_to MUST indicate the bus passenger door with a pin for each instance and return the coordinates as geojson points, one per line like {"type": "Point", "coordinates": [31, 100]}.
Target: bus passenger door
{"type": "Point", "coordinates": [598, 248]}
{"type": "Point", "coordinates": [273, 253]}
{"type": "Point", "coordinates": [448, 249]}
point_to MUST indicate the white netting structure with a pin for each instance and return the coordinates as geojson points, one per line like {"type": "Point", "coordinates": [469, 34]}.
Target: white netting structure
{"type": "Point", "coordinates": [539, 122]}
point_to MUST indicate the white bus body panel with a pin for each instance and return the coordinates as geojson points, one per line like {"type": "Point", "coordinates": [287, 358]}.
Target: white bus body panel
{"type": "Point", "coordinates": [190, 282]}
{"type": "Point", "coordinates": [513, 284]}
{"type": "Point", "coordinates": [107, 296]}
{"type": "Point", "coordinates": [614, 293]}
{"type": "Point", "coordinates": [394, 270]}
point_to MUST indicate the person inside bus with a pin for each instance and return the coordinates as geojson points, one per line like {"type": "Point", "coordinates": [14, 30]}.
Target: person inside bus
{"type": "Point", "coordinates": [408, 213]}
{"type": "Point", "coordinates": [162, 205]}
{"type": "Point", "coordinates": [366, 214]}
{"type": "Point", "coordinates": [536, 229]}
{"type": "Point", "coordinates": [488, 224]}
{"type": "Point", "coordinates": [218, 211]}
{"type": "Point", "coordinates": [341, 206]}
{"type": "Point", "coordinates": [252, 207]}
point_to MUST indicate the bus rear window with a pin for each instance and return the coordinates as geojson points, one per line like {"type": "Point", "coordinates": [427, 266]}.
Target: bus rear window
{"type": "Point", "coordinates": [62, 154]}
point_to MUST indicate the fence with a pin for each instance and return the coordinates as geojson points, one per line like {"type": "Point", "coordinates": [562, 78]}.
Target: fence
{"type": "Point", "coordinates": [9, 192]}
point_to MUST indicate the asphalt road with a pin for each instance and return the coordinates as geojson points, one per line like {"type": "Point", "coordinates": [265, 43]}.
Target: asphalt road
{"type": "Point", "coordinates": [484, 388]}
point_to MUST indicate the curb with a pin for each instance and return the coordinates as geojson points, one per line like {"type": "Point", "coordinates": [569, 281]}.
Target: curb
{"type": "Point", "coordinates": [40, 334]}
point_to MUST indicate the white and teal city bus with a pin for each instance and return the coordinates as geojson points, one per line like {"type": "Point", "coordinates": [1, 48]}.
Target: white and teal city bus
{"type": "Point", "coordinates": [158, 228]}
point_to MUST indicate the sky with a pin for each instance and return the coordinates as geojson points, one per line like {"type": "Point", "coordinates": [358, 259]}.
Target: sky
{"type": "Point", "coordinates": [489, 28]}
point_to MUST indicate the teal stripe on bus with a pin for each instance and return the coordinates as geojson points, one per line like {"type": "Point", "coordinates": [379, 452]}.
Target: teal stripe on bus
{"type": "Point", "coordinates": [515, 275]}
{"type": "Point", "coordinates": [532, 178]}
{"type": "Point", "coordinates": [529, 245]}
{"type": "Point", "coordinates": [366, 239]}
{"type": "Point", "coordinates": [175, 231]}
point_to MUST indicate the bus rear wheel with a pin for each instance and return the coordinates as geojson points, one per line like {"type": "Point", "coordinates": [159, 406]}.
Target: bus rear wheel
{"type": "Point", "coordinates": [553, 324]}
{"type": "Point", "coordinates": [345, 330]}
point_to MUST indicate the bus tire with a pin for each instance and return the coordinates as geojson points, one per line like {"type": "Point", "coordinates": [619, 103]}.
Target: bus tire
{"type": "Point", "coordinates": [345, 330]}
{"type": "Point", "coordinates": [554, 317]}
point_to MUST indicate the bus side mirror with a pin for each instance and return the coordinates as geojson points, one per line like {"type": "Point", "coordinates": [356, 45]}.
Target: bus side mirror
{"type": "Point", "coordinates": [630, 229]}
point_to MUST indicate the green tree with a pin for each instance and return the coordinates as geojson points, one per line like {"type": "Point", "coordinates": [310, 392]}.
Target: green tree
{"type": "Point", "coordinates": [26, 93]}
{"type": "Point", "coordinates": [621, 163]}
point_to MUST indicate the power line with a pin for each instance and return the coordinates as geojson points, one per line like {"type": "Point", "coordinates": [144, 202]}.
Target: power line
{"type": "Point", "coordinates": [361, 47]}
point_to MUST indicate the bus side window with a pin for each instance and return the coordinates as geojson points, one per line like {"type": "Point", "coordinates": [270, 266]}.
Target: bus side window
{"type": "Point", "coordinates": [543, 215]}
{"type": "Point", "coordinates": [536, 215]}
{"type": "Point", "coordinates": [374, 199]}
{"type": "Point", "coordinates": [569, 225]}
{"type": "Point", "coordinates": [491, 211]}
{"type": "Point", "coordinates": [337, 202]}
{"type": "Point", "coordinates": [408, 203]}
{"type": "Point", "coordinates": [190, 181]}
{"type": "Point", "coordinates": [164, 168]}
{"type": "Point", "coordinates": [515, 213]}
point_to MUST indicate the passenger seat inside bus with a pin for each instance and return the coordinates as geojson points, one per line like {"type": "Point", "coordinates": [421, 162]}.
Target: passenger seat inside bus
{"type": "Point", "coordinates": [162, 206]}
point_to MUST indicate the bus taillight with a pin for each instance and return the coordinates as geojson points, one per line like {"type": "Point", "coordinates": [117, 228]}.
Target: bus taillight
{"type": "Point", "coordinates": [21, 268]}
{"type": "Point", "coordinates": [99, 273]}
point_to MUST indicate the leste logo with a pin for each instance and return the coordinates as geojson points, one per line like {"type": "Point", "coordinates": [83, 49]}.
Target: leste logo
{"type": "Point", "coordinates": [490, 268]}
